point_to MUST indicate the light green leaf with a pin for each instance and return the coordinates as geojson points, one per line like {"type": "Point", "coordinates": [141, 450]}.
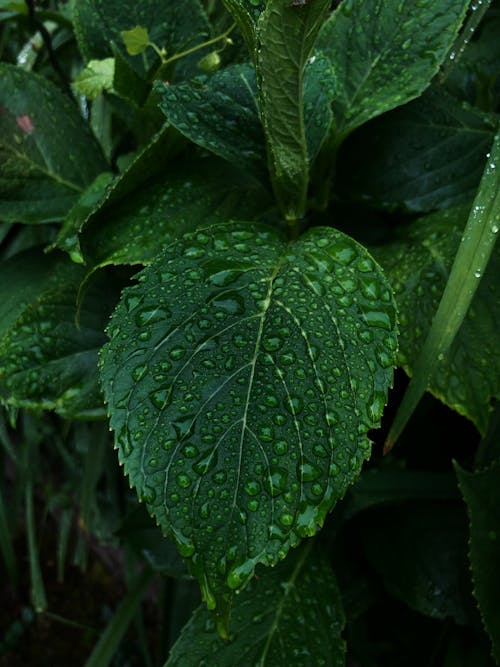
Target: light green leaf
{"type": "Point", "coordinates": [470, 262]}
{"type": "Point", "coordinates": [285, 29]}
{"type": "Point", "coordinates": [291, 613]}
{"type": "Point", "coordinates": [45, 360]}
{"type": "Point", "coordinates": [385, 53]}
{"type": "Point", "coordinates": [481, 492]}
{"type": "Point", "coordinates": [242, 377]}
{"type": "Point", "coordinates": [427, 155]}
{"type": "Point", "coordinates": [96, 77]}
{"type": "Point", "coordinates": [135, 40]}
{"type": "Point", "coordinates": [42, 172]}
{"type": "Point", "coordinates": [170, 25]}
{"type": "Point", "coordinates": [418, 263]}
{"type": "Point", "coordinates": [220, 113]}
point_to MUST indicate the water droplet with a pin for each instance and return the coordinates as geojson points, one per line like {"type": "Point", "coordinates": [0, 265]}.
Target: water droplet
{"type": "Point", "coordinates": [275, 482]}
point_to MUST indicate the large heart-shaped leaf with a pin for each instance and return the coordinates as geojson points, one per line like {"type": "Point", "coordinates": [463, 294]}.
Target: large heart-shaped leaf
{"type": "Point", "coordinates": [42, 172]}
{"type": "Point", "coordinates": [242, 377]}
{"type": "Point", "coordinates": [292, 612]}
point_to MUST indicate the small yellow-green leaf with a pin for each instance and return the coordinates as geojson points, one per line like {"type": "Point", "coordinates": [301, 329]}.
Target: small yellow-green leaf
{"type": "Point", "coordinates": [96, 78]}
{"type": "Point", "coordinates": [135, 40]}
{"type": "Point", "coordinates": [210, 62]}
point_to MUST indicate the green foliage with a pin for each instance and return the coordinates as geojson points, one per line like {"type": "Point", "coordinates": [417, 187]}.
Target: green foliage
{"type": "Point", "coordinates": [209, 247]}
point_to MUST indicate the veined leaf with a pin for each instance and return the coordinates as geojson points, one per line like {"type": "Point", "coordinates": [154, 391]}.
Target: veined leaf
{"type": "Point", "coordinates": [45, 360]}
{"type": "Point", "coordinates": [427, 155]}
{"type": "Point", "coordinates": [242, 377]}
{"type": "Point", "coordinates": [385, 53]}
{"type": "Point", "coordinates": [171, 25]}
{"type": "Point", "coordinates": [96, 77]}
{"type": "Point", "coordinates": [285, 29]}
{"type": "Point", "coordinates": [418, 263]}
{"type": "Point", "coordinates": [42, 172]}
{"type": "Point", "coordinates": [220, 113]}
{"type": "Point", "coordinates": [133, 232]}
{"type": "Point", "coordinates": [291, 613]}
{"type": "Point", "coordinates": [481, 492]}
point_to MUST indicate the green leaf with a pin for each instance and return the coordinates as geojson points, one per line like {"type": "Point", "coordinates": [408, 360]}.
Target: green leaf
{"type": "Point", "coordinates": [284, 29]}
{"type": "Point", "coordinates": [134, 230]}
{"type": "Point", "coordinates": [246, 14]}
{"type": "Point", "coordinates": [427, 155]}
{"type": "Point", "coordinates": [418, 264]}
{"type": "Point", "coordinates": [135, 40]}
{"type": "Point", "coordinates": [472, 258]}
{"type": "Point", "coordinates": [211, 62]}
{"type": "Point", "coordinates": [242, 376]}
{"type": "Point", "coordinates": [420, 550]}
{"type": "Point", "coordinates": [481, 492]}
{"type": "Point", "coordinates": [385, 53]}
{"type": "Point", "coordinates": [293, 612]}
{"type": "Point", "coordinates": [219, 113]}
{"type": "Point", "coordinates": [45, 360]}
{"type": "Point", "coordinates": [171, 25]}
{"type": "Point", "coordinates": [96, 77]}
{"type": "Point", "coordinates": [42, 172]}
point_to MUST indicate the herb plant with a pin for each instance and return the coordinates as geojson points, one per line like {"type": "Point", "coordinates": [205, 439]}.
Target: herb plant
{"type": "Point", "coordinates": [223, 226]}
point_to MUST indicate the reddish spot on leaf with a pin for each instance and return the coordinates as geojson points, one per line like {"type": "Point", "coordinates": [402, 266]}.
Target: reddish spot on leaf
{"type": "Point", "coordinates": [25, 123]}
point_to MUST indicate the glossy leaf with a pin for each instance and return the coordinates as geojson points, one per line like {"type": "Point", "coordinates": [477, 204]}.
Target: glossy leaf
{"type": "Point", "coordinates": [420, 550]}
{"type": "Point", "coordinates": [418, 264]}
{"type": "Point", "coordinates": [219, 113]}
{"type": "Point", "coordinates": [481, 492]}
{"type": "Point", "coordinates": [242, 376]}
{"type": "Point", "coordinates": [291, 615]}
{"type": "Point", "coordinates": [133, 232]}
{"type": "Point", "coordinates": [45, 360]}
{"type": "Point", "coordinates": [246, 14]}
{"type": "Point", "coordinates": [42, 172]}
{"type": "Point", "coordinates": [170, 25]}
{"type": "Point", "coordinates": [385, 53]}
{"type": "Point", "coordinates": [283, 29]}
{"type": "Point", "coordinates": [427, 155]}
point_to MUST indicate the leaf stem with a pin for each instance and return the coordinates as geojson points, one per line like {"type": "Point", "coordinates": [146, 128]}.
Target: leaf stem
{"type": "Point", "coordinates": [471, 260]}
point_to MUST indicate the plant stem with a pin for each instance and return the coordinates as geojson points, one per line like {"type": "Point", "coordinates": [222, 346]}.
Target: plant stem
{"type": "Point", "coordinates": [471, 260]}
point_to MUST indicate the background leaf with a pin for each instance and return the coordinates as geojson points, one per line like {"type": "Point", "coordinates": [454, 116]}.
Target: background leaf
{"type": "Point", "coordinates": [481, 492]}
{"type": "Point", "coordinates": [284, 617]}
{"type": "Point", "coordinates": [420, 550]}
{"type": "Point", "coordinates": [241, 410]}
{"type": "Point", "coordinates": [170, 25]}
{"type": "Point", "coordinates": [42, 172]}
{"type": "Point", "coordinates": [45, 360]}
{"type": "Point", "coordinates": [385, 53]}
{"type": "Point", "coordinates": [418, 264]}
{"type": "Point", "coordinates": [426, 155]}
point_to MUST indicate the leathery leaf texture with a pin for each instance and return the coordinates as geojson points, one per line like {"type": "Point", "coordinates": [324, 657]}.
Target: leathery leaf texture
{"type": "Point", "coordinates": [242, 376]}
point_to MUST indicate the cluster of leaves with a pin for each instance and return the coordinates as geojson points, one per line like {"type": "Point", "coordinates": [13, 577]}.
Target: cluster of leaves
{"type": "Point", "coordinates": [293, 196]}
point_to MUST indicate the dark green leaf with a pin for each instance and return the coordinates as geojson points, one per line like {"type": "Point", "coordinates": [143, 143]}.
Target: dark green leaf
{"type": "Point", "coordinates": [385, 53]}
{"type": "Point", "coordinates": [242, 376]}
{"type": "Point", "coordinates": [246, 13]}
{"type": "Point", "coordinates": [133, 231]}
{"type": "Point", "coordinates": [220, 113]}
{"type": "Point", "coordinates": [285, 29]}
{"type": "Point", "coordinates": [42, 172]}
{"type": "Point", "coordinates": [481, 492]}
{"type": "Point", "coordinates": [418, 264]}
{"type": "Point", "coordinates": [420, 550]}
{"type": "Point", "coordinates": [170, 24]}
{"type": "Point", "coordinates": [427, 155]}
{"type": "Point", "coordinates": [45, 360]}
{"type": "Point", "coordinates": [291, 615]}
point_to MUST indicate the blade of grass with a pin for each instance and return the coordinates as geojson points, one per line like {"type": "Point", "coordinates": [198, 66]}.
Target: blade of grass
{"type": "Point", "coordinates": [113, 634]}
{"type": "Point", "coordinates": [471, 260]}
{"type": "Point", "coordinates": [38, 597]}
{"type": "Point", "coordinates": [63, 541]}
